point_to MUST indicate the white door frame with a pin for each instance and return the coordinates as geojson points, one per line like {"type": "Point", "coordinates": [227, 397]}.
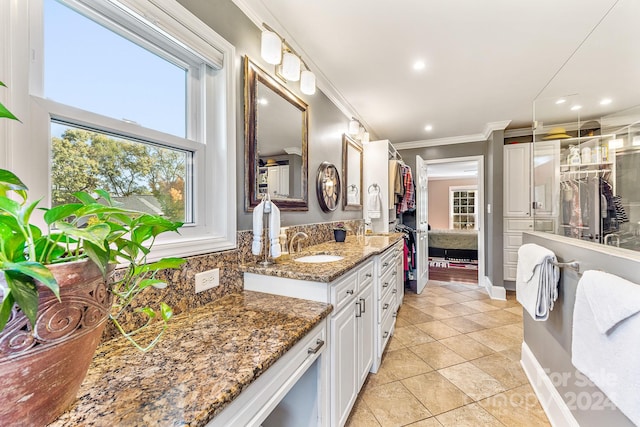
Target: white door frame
{"type": "Point", "coordinates": [481, 229]}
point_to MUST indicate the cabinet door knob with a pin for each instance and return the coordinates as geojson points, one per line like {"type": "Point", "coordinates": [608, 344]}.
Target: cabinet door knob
{"type": "Point", "coordinates": [350, 292]}
{"type": "Point", "coordinates": [314, 350]}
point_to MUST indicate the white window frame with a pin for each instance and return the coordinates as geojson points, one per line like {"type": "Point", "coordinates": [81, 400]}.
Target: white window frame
{"type": "Point", "coordinates": [454, 188]}
{"type": "Point", "coordinates": [25, 147]}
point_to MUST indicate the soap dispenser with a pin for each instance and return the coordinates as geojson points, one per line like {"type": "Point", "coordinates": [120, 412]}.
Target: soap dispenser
{"type": "Point", "coordinates": [284, 253]}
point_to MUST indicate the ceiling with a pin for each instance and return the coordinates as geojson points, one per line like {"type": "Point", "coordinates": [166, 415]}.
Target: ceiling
{"type": "Point", "coordinates": [485, 61]}
{"type": "Point", "coordinates": [453, 170]}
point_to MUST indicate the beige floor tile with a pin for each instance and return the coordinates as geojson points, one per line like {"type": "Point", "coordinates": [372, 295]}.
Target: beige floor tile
{"type": "Point", "coordinates": [517, 310]}
{"type": "Point", "coordinates": [393, 343]}
{"type": "Point", "coordinates": [473, 381]}
{"type": "Point", "coordinates": [516, 407]}
{"type": "Point", "coordinates": [437, 355]}
{"type": "Point", "coordinates": [411, 335]}
{"type": "Point", "coordinates": [508, 372]}
{"type": "Point", "coordinates": [486, 319]}
{"type": "Point", "coordinates": [429, 422]}
{"type": "Point", "coordinates": [494, 340]}
{"type": "Point", "coordinates": [466, 347]}
{"type": "Point", "coordinates": [436, 290]}
{"type": "Point", "coordinates": [439, 313]}
{"type": "Point", "coordinates": [481, 306]}
{"type": "Point", "coordinates": [476, 294]}
{"type": "Point", "coordinates": [512, 331]}
{"type": "Point", "coordinates": [437, 329]}
{"type": "Point", "coordinates": [462, 324]}
{"type": "Point", "coordinates": [440, 300]}
{"type": "Point", "coordinates": [513, 353]}
{"type": "Point", "coordinates": [393, 405]}
{"type": "Point", "coordinates": [413, 315]}
{"type": "Point", "coordinates": [472, 415]}
{"type": "Point", "coordinates": [403, 363]}
{"type": "Point", "coordinates": [436, 393]}
{"type": "Point", "coordinates": [457, 297]}
{"type": "Point", "coordinates": [361, 416]}
{"type": "Point", "coordinates": [504, 304]}
{"type": "Point", "coordinates": [459, 309]}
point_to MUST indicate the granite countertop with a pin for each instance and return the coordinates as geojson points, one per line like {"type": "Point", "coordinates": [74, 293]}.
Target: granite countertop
{"type": "Point", "coordinates": [353, 250]}
{"type": "Point", "coordinates": [206, 357]}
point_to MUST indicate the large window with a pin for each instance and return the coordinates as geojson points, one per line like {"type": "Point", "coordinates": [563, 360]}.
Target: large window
{"type": "Point", "coordinates": [131, 96]}
{"type": "Point", "coordinates": [463, 208]}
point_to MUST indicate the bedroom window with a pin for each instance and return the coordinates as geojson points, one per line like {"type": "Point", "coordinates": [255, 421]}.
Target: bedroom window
{"type": "Point", "coordinates": [463, 208]}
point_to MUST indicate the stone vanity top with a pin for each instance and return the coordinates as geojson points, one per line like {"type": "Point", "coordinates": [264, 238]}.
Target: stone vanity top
{"type": "Point", "coordinates": [206, 357]}
{"type": "Point", "coordinates": [353, 251]}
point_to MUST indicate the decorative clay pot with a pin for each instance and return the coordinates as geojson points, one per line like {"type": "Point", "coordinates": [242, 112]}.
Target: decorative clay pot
{"type": "Point", "coordinates": [340, 235]}
{"type": "Point", "coordinates": [41, 370]}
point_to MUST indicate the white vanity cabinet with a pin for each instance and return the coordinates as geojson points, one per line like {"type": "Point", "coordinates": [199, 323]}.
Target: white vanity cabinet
{"type": "Point", "coordinates": [351, 327]}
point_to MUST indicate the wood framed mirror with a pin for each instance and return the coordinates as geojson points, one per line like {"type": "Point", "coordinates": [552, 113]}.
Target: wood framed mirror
{"type": "Point", "coordinates": [276, 133]}
{"type": "Point", "coordinates": [351, 174]}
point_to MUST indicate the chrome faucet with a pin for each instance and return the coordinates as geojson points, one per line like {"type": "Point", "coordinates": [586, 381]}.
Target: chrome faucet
{"type": "Point", "coordinates": [612, 236]}
{"type": "Point", "coordinates": [300, 235]}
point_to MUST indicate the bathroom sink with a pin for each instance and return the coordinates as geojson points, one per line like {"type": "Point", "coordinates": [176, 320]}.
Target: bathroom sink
{"type": "Point", "coordinates": [319, 258]}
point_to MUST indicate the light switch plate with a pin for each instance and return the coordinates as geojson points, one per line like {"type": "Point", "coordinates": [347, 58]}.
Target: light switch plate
{"type": "Point", "coordinates": [207, 280]}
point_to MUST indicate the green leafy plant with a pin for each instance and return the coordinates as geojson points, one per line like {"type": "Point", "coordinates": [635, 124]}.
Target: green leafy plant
{"type": "Point", "coordinates": [340, 226]}
{"type": "Point", "coordinates": [94, 227]}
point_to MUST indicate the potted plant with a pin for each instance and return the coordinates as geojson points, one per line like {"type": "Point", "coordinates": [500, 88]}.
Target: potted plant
{"type": "Point", "coordinates": [57, 290]}
{"type": "Point", "coordinates": [340, 232]}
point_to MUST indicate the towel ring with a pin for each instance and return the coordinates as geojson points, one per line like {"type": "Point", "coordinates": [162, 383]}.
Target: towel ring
{"type": "Point", "coordinates": [375, 187]}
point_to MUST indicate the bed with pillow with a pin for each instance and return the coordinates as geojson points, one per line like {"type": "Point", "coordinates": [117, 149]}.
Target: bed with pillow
{"type": "Point", "coordinates": [454, 245]}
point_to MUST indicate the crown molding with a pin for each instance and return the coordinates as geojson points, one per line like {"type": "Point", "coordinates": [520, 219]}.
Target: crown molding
{"type": "Point", "coordinates": [258, 13]}
{"type": "Point", "coordinates": [461, 139]}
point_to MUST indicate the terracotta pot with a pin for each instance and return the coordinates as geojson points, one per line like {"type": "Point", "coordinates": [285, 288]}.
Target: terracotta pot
{"type": "Point", "coordinates": [41, 370]}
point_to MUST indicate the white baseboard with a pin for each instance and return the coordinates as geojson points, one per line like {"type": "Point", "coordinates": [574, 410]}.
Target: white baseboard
{"type": "Point", "coordinates": [495, 292]}
{"type": "Point", "coordinates": [550, 400]}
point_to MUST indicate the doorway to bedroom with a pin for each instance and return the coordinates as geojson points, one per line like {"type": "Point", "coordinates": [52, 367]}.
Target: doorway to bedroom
{"type": "Point", "coordinates": [455, 216]}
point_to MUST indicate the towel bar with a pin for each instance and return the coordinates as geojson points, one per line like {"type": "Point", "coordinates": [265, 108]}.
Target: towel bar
{"type": "Point", "coordinates": [572, 265]}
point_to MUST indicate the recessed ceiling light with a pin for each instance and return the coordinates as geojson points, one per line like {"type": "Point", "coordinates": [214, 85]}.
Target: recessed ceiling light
{"type": "Point", "coordinates": [428, 128]}
{"type": "Point", "coordinates": [419, 65]}
{"type": "Point", "coordinates": [263, 101]}
{"type": "Point", "coordinates": [605, 101]}
{"type": "Point", "coordinates": [561, 101]}
{"type": "Point", "coordinates": [576, 107]}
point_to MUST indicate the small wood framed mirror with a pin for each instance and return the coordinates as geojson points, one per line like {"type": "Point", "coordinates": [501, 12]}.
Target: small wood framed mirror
{"type": "Point", "coordinates": [351, 174]}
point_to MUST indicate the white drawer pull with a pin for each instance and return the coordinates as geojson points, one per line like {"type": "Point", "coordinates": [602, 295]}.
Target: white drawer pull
{"type": "Point", "coordinates": [314, 350]}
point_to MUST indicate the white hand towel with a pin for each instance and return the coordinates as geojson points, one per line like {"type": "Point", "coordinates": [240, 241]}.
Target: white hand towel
{"type": "Point", "coordinates": [374, 205]}
{"type": "Point", "coordinates": [274, 231]}
{"type": "Point", "coordinates": [610, 359]}
{"type": "Point", "coordinates": [256, 245]}
{"type": "Point", "coordinates": [536, 280]}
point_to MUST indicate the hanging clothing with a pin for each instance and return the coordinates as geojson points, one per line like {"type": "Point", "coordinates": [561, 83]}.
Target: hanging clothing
{"type": "Point", "coordinates": [408, 200]}
{"type": "Point", "coordinates": [396, 189]}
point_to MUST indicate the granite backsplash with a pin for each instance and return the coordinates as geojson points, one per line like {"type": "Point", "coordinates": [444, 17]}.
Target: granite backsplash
{"type": "Point", "coordinates": [180, 292]}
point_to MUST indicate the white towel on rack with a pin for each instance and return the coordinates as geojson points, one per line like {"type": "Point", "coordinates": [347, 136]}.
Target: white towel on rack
{"type": "Point", "coordinates": [256, 245]}
{"type": "Point", "coordinates": [374, 205]}
{"type": "Point", "coordinates": [537, 280]}
{"type": "Point", "coordinates": [274, 231]}
{"type": "Point", "coordinates": [606, 333]}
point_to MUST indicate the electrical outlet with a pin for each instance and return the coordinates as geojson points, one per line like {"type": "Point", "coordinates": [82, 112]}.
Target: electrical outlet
{"type": "Point", "coordinates": [207, 280]}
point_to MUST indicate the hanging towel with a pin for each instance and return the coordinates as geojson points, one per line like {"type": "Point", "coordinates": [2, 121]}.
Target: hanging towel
{"type": "Point", "coordinates": [274, 231]}
{"type": "Point", "coordinates": [256, 245]}
{"type": "Point", "coordinates": [536, 280]}
{"type": "Point", "coordinates": [606, 333]}
{"type": "Point", "coordinates": [374, 205]}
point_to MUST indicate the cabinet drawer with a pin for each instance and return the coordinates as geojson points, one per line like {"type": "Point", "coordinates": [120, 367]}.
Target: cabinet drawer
{"type": "Point", "coordinates": [344, 291]}
{"type": "Point", "coordinates": [365, 274]}
{"type": "Point", "coordinates": [510, 256]}
{"type": "Point", "coordinates": [385, 330]}
{"type": "Point", "coordinates": [518, 224]}
{"type": "Point", "coordinates": [544, 224]}
{"type": "Point", "coordinates": [387, 281]}
{"type": "Point", "coordinates": [387, 303]}
{"type": "Point", "coordinates": [512, 240]}
{"type": "Point", "coordinates": [386, 261]}
{"type": "Point", "coordinates": [510, 272]}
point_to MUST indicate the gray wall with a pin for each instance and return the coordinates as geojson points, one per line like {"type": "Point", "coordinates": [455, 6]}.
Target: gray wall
{"type": "Point", "coordinates": [492, 152]}
{"type": "Point", "coordinates": [326, 121]}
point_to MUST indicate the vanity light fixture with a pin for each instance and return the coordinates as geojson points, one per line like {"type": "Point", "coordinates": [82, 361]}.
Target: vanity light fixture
{"type": "Point", "coordinates": [275, 50]}
{"type": "Point", "coordinates": [357, 131]}
{"type": "Point", "coordinates": [354, 127]}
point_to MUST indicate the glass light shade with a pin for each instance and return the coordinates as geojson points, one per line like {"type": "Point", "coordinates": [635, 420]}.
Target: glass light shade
{"type": "Point", "coordinates": [271, 47]}
{"type": "Point", "coordinates": [365, 138]}
{"type": "Point", "coordinates": [360, 132]}
{"type": "Point", "coordinates": [290, 67]}
{"type": "Point", "coordinates": [354, 127]}
{"type": "Point", "coordinates": [307, 82]}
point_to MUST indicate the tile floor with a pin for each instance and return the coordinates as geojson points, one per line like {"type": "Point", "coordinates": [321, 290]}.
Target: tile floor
{"type": "Point", "coordinates": [454, 361]}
